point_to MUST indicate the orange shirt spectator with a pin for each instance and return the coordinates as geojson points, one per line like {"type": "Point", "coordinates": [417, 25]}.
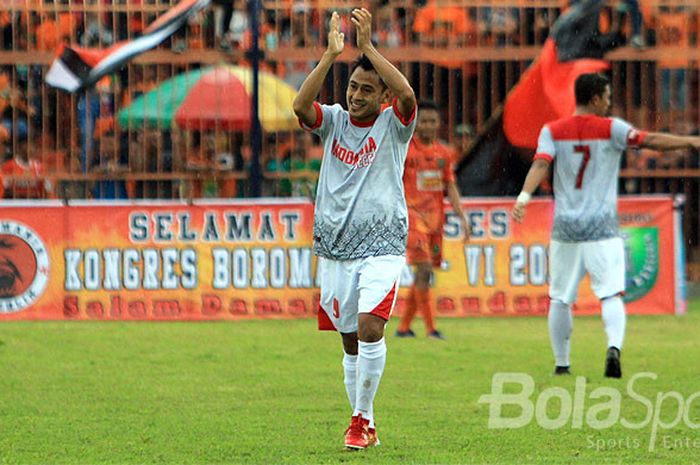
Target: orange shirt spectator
{"type": "Point", "coordinates": [52, 31]}
{"type": "Point", "coordinates": [428, 170]}
{"type": "Point", "coordinates": [33, 186]}
{"type": "Point", "coordinates": [48, 35]}
{"type": "Point", "coordinates": [67, 24]}
{"type": "Point", "coordinates": [443, 26]}
{"type": "Point", "coordinates": [672, 32]}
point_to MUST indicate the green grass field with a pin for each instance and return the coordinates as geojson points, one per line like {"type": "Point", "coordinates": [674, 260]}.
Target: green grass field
{"type": "Point", "coordinates": [272, 392]}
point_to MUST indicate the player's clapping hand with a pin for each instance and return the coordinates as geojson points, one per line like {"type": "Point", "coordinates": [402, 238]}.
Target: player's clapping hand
{"type": "Point", "coordinates": [518, 212]}
{"type": "Point", "coordinates": [362, 19]}
{"type": "Point", "coordinates": [336, 39]}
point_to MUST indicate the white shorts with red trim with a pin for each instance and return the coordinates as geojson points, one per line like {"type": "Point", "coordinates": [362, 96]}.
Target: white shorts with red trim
{"type": "Point", "coordinates": [604, 261]}
{"type": "Point", "coordinates": [350, 287]}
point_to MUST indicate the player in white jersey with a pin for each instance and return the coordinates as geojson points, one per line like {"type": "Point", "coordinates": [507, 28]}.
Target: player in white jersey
{"type": "Point", "coordinates": [360, 217]}
{"type": "Point", "coordinates": [585, 151]}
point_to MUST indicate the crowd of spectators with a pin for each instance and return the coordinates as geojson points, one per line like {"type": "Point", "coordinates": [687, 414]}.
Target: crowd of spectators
{"type": "Point", "coordinates": [75, 147]}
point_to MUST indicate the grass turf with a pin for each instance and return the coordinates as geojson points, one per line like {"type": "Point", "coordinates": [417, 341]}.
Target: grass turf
{"type": "Point", "coordinates": [272, 392]}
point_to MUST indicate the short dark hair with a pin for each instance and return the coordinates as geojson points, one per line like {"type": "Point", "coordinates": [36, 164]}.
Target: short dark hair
{"type": "Point", "coordinates": [588, 86]}
{"type": "Point", "coordinates": [363, 62]}
{"type": "Point", "coordinates": [426, 104]}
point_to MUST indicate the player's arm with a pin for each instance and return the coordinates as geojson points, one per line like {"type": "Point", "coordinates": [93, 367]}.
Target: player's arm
{"type": "Point", "coordinates": [304, 101]}
{"type": "Point", "coordinates": [538, 170]}
{"type": "Point", "coordinates": [663, 142]}
{"type": "Point", "coordinates": [455, 201]}
{"type": "Point", "coordinates": [392, 77]}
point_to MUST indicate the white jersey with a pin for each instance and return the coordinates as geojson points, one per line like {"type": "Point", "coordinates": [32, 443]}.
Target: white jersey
{"type": "Point", "coordinates": [586, 152]}
{"type": "Point", "coordinates": [360, 205]}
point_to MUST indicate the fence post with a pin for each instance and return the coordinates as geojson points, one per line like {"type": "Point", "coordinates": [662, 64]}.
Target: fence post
{"type": "Point", "coordinates": [256, 130]}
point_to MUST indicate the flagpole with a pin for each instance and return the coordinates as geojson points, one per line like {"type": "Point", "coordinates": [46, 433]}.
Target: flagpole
{"type": "Point", "coordinates": [256, 129]}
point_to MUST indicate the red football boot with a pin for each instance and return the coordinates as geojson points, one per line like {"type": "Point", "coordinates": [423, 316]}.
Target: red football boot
{"type": "Point", "coordinates": [357, 434]}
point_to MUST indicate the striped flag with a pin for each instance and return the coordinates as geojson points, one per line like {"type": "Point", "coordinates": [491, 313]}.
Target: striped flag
{"type": "Point", "coordinates": [78, 68]}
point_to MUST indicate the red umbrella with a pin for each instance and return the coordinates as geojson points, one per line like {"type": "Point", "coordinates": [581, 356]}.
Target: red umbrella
{"type": "Point", "coordinates": [221, 98]}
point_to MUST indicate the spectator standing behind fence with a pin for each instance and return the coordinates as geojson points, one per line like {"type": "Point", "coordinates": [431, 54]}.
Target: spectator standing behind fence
{"type": "Point", "coordinates": [672, 28]}
{"type": "Point", "coordinates": [112, 164]}
{"type": "Point", "coordinates": [635, 15]}
{"type": "Point", "coordinates": [428, 176]}
{"type": "Point", "coordinates": [389, 31]}
{"type": "Point", "coordinates": [96, 33]}
{"type": "Point", "coordinates": [53, 29]}
{"type": "Point", "coordinates": [222, 17]}
{"type": "Point", "coordinates": [499, 26]}
{"type": "Point", "coordinates": [22, 176]}
{"type": "Point", "coordinates": [234, 23]}
{"type": "Point", "coordinates": [298, 30]}
{"type": "Point", "coordinates": [441, 25]}
{"type": "Point", "coordinates": [14, 110]}
{"type": "Point", "coordinates": [612, 18]}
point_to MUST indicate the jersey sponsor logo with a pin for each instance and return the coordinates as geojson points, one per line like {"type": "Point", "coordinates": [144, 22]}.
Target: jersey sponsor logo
{"type": "Point", "coordinates": [24, 267]}
{"type": "Point", "coordinates": [430, 180]}
{"type": "Point", "coordinates": [360, 159]}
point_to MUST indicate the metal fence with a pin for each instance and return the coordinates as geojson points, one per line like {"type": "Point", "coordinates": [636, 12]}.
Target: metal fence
{"type": "Point", "coordinates": [465, 54]}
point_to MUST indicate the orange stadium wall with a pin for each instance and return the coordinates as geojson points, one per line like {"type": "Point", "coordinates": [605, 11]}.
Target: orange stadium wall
{"type": "Point", "coordinates": [241, 260]}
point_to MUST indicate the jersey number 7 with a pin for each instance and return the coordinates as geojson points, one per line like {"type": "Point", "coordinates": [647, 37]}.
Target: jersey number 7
{"type": "Point", "coordinates": [586, 151]}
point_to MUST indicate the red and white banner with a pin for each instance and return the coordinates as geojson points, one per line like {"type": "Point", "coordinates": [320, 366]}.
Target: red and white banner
{"type": "Point", "coordinates": [253, 259]}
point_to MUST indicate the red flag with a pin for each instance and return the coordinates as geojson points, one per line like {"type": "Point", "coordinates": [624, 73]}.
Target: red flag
{"type": "Point", "coordinates": [544, 93]}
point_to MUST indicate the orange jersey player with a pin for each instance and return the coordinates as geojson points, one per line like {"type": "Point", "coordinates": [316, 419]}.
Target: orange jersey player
{"type": "Point", "coordinates": [428, 175]}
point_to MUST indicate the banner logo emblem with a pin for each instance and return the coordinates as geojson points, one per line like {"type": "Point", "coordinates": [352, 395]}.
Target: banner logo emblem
{"type": "Point", "coordinates": [24, 267]}
{"type": "Point", "coordinates": [641, 261]}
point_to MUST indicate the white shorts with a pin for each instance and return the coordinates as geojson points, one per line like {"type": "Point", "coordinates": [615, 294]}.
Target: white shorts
{"type": "Point", "coordinates": [603, 260]}
{"type": "Point", "coordinates": [349, 287]}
